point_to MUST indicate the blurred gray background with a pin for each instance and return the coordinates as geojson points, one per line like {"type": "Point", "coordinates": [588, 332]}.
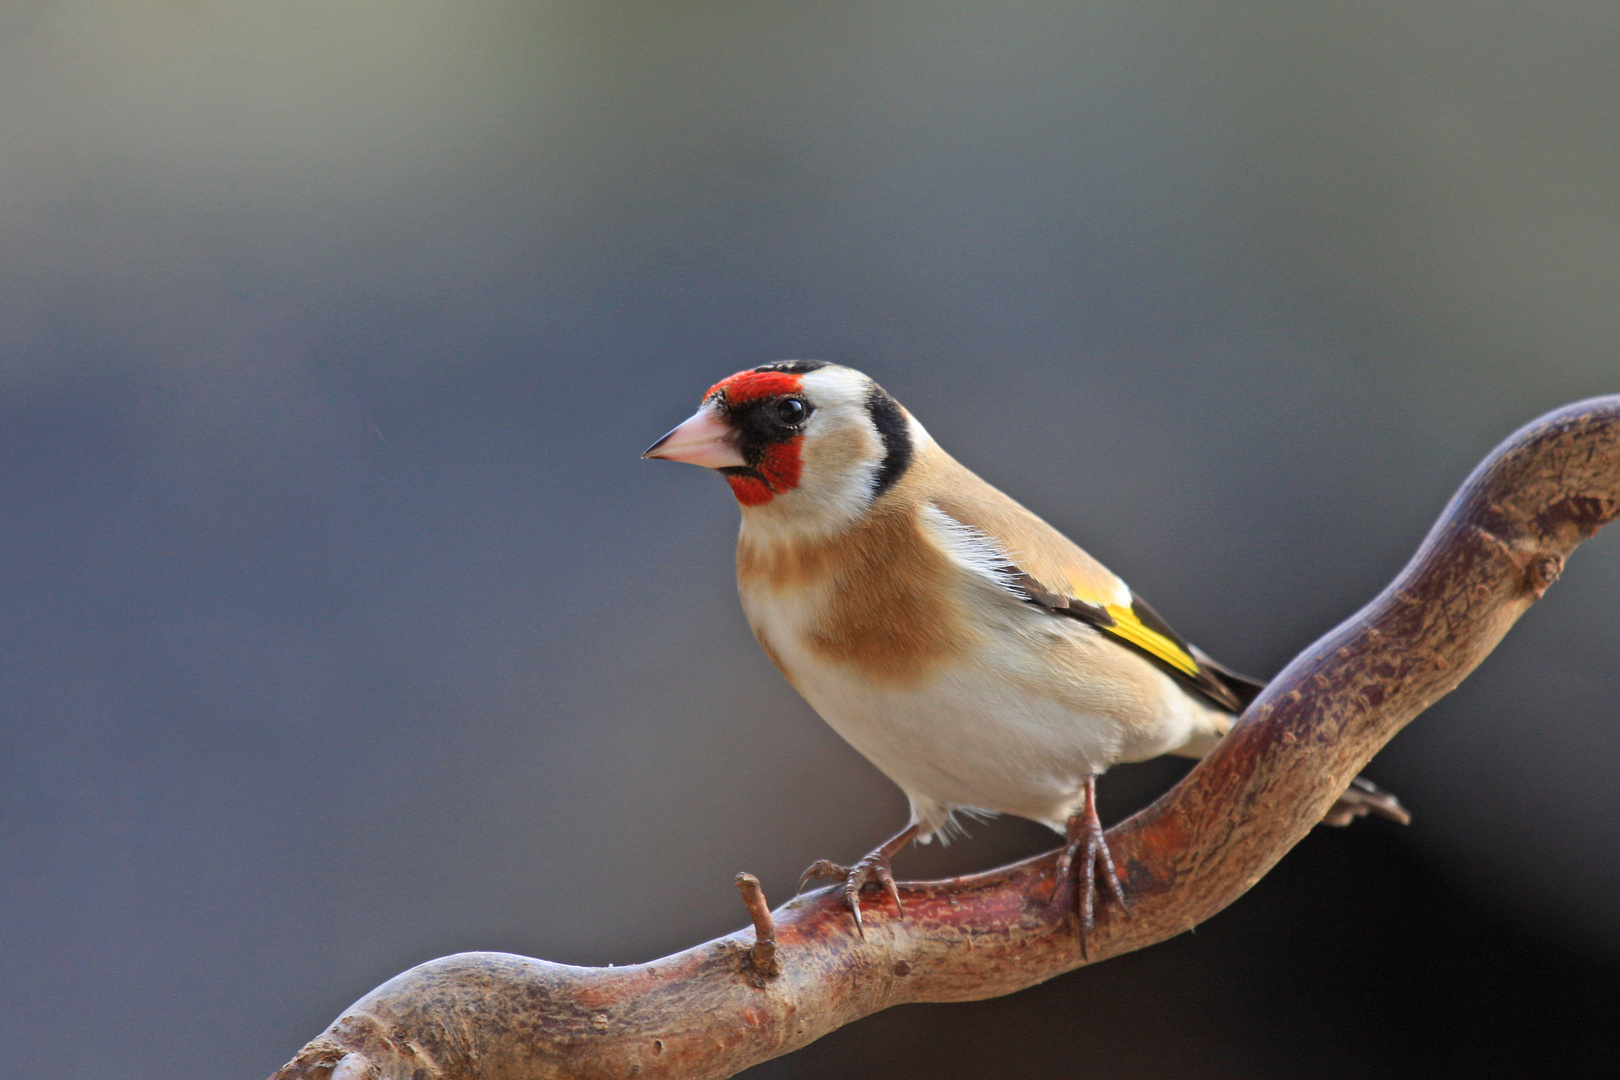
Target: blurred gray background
{"type": "Point", "coordinates": [343, 627]}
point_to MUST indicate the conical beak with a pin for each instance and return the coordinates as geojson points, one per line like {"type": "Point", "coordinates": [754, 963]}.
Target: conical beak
{"type": "Point", "coordinates": [705, 440]}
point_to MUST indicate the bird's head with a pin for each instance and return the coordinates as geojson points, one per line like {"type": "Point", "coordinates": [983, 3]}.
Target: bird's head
{"type": "Point", "coordinates": [798, 439]}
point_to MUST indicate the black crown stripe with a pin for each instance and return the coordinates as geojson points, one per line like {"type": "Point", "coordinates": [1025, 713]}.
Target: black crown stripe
{"type": "Point", "coordinates": [793, 367]}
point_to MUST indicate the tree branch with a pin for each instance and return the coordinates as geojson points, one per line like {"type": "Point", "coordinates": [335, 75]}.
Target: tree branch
{"type": "Point", "coordinates": [718, 1008]}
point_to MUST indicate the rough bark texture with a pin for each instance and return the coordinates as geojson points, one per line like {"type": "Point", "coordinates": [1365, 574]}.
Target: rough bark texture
{"type": "Point", "coordinates": [711, 1011]}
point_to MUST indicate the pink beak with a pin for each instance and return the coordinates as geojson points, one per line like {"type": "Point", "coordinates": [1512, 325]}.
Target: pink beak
{"type": "Point", "coordinates": [705, 440]}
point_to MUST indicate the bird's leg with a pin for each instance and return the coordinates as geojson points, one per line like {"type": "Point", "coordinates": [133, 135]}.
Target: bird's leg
{"type": "Point", "coordinates": [1086, 839]}
{"type": "Point", "coordinates": [873, 865]}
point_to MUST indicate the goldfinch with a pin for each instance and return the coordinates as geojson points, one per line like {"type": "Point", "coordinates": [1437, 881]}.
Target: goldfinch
{"type": "Point", "coordinates": [978, 657]}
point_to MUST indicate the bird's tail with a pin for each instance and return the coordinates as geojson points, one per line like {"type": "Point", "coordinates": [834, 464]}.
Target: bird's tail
{"type": "Point", "coordinates": [1364, 797]}
{"type": "Point", "coordinates": [1361, 798]}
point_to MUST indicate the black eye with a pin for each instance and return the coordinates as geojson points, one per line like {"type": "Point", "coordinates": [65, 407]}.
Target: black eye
{"type": "Point", "coordinates": [791, 411]}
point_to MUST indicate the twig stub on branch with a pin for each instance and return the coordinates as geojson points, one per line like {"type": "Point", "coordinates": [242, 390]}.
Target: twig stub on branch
{"type": "Point", "coordinates": [763, 954]}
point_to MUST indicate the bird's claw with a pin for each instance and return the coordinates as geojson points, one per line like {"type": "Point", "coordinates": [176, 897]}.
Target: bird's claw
{"type": "Point", "coordinates": [822, 868]}
{"type": "Point", "coordinates": [1088, 846]}
{"type": "Point", "coordinates": [871, 867]}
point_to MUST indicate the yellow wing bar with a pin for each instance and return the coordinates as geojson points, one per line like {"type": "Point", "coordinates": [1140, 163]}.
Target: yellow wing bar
{"type": "Point", "coordinates": [1128, 627]}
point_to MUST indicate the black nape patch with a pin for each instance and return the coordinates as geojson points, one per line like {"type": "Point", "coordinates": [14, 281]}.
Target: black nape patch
{"type": "Point", "coordinates": [891, 424]}
{"type": "Point", "coordinates": [793, 367]}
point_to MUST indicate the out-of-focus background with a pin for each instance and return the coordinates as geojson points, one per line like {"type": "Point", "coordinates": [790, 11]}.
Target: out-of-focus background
{"type": "Point", "coordinates": [343, 628]}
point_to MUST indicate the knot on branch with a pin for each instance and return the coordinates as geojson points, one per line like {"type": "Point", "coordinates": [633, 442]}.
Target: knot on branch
{"type": "Point", "coordinates": [1544, 571]}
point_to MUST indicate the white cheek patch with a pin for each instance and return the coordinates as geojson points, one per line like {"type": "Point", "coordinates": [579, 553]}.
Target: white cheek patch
{"type": "Point", "coordinates": [840, 456]}
{"type": "Point", "coordinates": [843, 456]}
{"type": "Point", "coordinates": [841, 451]}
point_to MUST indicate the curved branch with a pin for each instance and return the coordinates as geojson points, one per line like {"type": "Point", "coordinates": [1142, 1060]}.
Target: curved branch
{"type": "Point", "coordinates": [718, 1008]}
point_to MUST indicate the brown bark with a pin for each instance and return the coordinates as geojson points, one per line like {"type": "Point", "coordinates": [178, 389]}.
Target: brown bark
{"type": "Point", "coordinates": [718, 1008]}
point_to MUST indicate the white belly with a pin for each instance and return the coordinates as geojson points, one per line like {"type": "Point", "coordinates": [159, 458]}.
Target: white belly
{"type": "Point", "coordinates": [1041, 704]}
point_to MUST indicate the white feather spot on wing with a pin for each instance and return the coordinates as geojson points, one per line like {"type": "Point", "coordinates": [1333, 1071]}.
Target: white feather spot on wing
{"type": "Point", "coordinates": [972, 549]}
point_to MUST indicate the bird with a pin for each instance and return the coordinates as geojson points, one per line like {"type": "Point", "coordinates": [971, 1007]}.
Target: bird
{"type": "Point", "coordinates": [980, 659]}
